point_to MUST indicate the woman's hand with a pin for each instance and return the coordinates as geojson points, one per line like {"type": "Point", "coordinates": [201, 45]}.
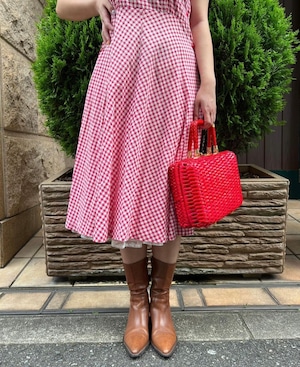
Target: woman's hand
{"type": "Point", "coordinates": [205, 102]}
{"type": "Point", "coordinates": [104, 9]}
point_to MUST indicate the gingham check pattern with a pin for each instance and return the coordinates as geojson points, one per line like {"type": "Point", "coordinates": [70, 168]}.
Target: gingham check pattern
{"type": "Point", "coordinates": [138, 109]}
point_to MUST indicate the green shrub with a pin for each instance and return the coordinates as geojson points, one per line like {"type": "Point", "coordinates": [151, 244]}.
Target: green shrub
{"type": "Point", "coordinates": [254, 50]}
{"type": "Point", "coordinates": [66, 55]}
{"type": "Point", "coordinates": [254, 46]}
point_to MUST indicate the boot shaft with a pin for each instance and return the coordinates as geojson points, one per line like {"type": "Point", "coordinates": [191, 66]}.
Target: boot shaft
{"type": "Point", "coordinates": [136, 336]}
{"type": "Point", "coordinates": [137, 276]}
{"type": "Point", "coordinates": [161, 276]}
{"type": "Point", "coordinates": [163, 335]}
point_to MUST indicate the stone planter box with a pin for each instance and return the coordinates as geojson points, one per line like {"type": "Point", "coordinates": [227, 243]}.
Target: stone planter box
{"type": "Point", "coordinates": [249, 241]}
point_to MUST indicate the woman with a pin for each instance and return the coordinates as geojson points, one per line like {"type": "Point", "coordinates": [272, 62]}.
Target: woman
{"type": "Point", "coordinates": [142, 97]}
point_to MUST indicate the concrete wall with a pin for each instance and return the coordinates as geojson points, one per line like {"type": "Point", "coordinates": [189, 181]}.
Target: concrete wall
{"type": "Point", "coordinates": [27, 155]}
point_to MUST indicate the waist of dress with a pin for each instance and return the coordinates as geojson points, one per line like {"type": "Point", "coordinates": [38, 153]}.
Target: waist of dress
{"type": "Point", "coordinates": [162, 6]}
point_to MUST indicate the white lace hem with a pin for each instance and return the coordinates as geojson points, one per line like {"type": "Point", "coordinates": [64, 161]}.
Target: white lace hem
{"type": "Point", "coordinates": [130, 243]}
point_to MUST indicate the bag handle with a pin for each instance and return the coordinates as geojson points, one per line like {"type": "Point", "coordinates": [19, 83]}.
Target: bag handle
{"type": "Point", "coordinates": [208, 139]}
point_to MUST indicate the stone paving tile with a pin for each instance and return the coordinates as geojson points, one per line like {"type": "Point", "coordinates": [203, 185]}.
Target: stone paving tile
{"type": "Point", "coordinates": [191, 298]}
{"type": "Point", "coordinates": [292, 227]}
{"type": "Point", "coordinates": [276, 324]}
{"type": "Point", "coordinates": [31, 248]}
{"type": "Point", "coordinates": [57, 301]}
{"type": "Point", "coordinates": [41, 253]}
{"type": "Point", "coordinates": [173, 298]}
{"type": "Point", "coordinates": [94, 299]}
{"type": "Point", "coordinates": [237, 297]}
{"type": "Point", "coordinates": [39, 233]}
{"type": "Point", "coordinates": [291, 271]}
{"type": "Point", "coordinates": [293, 211]}
{"type": "Point", "coordinates": [11, 271]}
{"type": "Point", "coordinates": [209, 326]}
{"type": "Point", "coordinates": [287, 295]}
{"type": "Point", "coordinates": [105, 299]}
{"type": "Point", "coordinates": [293, 205]}
{"type": "Point", "coordinates": [23, 301]}
{"type": "Point", "coordinates": [290, 217]}
{"type": "Point", "coordinates": [293, 244]}
{"type": "Point", "coordinates": [296, 216]}
{"type": "Point", "coordinates": [294, 237]}
{"type": "Point", "coordinates": [34, 275]}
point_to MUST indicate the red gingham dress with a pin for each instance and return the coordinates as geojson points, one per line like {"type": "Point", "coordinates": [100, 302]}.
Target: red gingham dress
{"type": "Point", "coordinates": [136, 119]}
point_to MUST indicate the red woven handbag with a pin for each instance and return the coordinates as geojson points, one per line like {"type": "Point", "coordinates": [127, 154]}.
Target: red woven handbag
{"type": "Point", "coordinates": [205, 187]}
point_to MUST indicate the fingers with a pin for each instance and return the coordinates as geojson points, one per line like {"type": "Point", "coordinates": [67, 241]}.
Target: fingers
{"type": "Point", "coordinates": [209, 118]}
{"type": "Point", "coordinates": [209, 114]}
{"type": "Point", "coordinates": [196, 110]}
{"type": "Point", "coordinates": [105, 34]}
{"type": "Point", "coordinates": [105, 10]}
{"type": "Point", "coordinates": [205, 105]}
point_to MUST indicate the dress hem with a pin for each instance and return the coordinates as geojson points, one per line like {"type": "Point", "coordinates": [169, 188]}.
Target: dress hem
{"type": "Point", "coordinates": [121, 244]}
{"type": "Point", "coordinates": [131, 243]}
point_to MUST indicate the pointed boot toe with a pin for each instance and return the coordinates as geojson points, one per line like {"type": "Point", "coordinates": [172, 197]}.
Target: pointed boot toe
{"type": "Point", "coordinates": [164, 343]}
{"type": "Point", "coordinates": [136, 343]}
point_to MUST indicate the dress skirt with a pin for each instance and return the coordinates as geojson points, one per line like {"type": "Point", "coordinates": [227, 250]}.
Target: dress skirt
{"type": "Point", "coordinates": [138, 109]}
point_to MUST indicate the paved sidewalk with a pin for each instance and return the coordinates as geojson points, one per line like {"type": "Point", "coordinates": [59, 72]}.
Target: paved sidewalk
{"type": "Point", "coordinates": [206, 339]}
{"type": "Point", "coordinates": [26, 289]}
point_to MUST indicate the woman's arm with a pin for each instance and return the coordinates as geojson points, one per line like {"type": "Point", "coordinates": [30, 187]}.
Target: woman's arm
{"type": "Point", "coordinates": [206, 96]}
{"type": "Point", "coordinates": [77, 10]}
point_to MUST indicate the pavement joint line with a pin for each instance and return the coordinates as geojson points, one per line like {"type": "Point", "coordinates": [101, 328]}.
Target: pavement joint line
{"type": "Point", "coordinates": [245, 325]}
{"type": "Point", "coordinates": [49, 299]}
{"type": "Point", "coordinates": [177, 310]}
{"type": "Point", "coordinates": [180, 299]}
{"type": "Point", "coordinates": [199, 290]}
{"type": "Point", "coordinates": [267, 290]}
{"type": "Point", "coordinates": [65, 300]}
{"type": "Point", "coordinates": [20, 272]}
{"type": "Point", "coordinates": [178, 288]}
{"type": "Point", "coordinates": [295, 218]}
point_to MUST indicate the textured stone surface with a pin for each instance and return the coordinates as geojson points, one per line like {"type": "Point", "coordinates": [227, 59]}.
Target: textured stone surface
{"type": "Point", "coordinates": [250, 240]}
{"type": "Point", "coordinates": [28, 162]}
{"type": "Point", "coordinates": [27, 157]}
{"type": "Point", "coordinates": [16, 231]}
{"type": "Point", "coordinates": [2, 198]}
{"type": "Point", "coordinates": [18, 24]}
{"type": "Point", "coordinates": [20, 109]}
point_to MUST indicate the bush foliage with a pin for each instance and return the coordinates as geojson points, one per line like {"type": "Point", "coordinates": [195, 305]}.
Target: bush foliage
{"type": "Point", "coordinates": [254, 49]}
{"type": "Point", "coordinates": [254, 45]}
{"type": "Point", "coordinates": [66, 55]}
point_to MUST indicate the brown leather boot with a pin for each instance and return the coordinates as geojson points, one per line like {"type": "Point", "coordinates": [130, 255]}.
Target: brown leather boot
{"type": "Point", "coordinates": [136, 337]}
{"type": "Point", "coordinates": [163, 335]}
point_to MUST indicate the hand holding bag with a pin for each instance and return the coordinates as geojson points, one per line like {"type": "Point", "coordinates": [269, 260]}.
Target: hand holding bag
{"type": "Point", "coordinates": [205, 187]}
